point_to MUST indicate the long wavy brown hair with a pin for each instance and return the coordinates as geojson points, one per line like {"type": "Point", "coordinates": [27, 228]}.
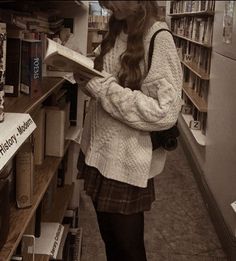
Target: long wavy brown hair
{"type": "Point", "coordinates": [130, 74]}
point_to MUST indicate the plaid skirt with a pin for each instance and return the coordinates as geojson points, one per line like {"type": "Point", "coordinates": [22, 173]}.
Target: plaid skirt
{"type": "Point", "coordinates": [113, 196]}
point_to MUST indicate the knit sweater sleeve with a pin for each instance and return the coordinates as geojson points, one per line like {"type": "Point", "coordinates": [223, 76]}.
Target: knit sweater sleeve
{"type": "Point", "coordinates": [157, 105]}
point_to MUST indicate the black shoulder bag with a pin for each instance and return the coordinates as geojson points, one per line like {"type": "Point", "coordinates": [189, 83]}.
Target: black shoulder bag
{"type": "Point", "coordinates": [166, 138]}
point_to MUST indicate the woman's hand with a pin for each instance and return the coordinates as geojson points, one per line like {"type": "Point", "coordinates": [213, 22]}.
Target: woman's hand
{"type": "Point", "coordinates": [82, 78]}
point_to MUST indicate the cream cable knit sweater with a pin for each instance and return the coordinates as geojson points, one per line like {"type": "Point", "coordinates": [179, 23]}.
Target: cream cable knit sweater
{"type": "Point", "coordinates": [116, 136]}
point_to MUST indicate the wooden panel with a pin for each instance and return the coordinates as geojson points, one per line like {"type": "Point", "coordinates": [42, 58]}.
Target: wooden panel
{"type": "Point", "coordinates": [62, 199]}
{"type": "Point", "coordinates": [25, 104]}
{"type": "Point", "coordinates": [20, 218]}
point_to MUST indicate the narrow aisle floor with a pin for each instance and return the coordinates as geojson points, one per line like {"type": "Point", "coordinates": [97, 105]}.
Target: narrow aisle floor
{"type": "Point", "coordinates": [177, 228]}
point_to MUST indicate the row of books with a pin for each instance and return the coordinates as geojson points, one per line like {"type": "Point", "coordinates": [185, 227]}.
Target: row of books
{"type": "Point", "coordinates": [2, 67]}
{"type": "Point", "coordinates": [24, 48]}
{"type": "Point", "coordinates": [195, 55]}
{"type": "Point", "coordinates": [98, 21]}
{"type": "Point", "coordinates": [46, 22]}
{"type": "Point", "coordinates": [199, 119]}
{"type": "Point", "coordinates": [199, 86]}
{"type": "Point", "coordinates": [22, 63]}
{"type": "Point", "coordinates": [196, 28]}
{"type": "Point", "coordinates": [61, 242]}
{"type": "Point", "coordinates": [191, 6]}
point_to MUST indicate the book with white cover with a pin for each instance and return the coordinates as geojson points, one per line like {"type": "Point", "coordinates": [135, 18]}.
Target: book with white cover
{"type": "Point", "coordinates": [49, 241]}
{"type": "Point", "coordinates": [68, 60]}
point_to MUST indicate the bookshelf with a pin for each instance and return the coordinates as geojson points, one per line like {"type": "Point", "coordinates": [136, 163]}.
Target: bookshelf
{"type": "Point", "coordinates": [26, 104]}
{"type": "Point", "coordinates": [21, 218]}
{"type": "Point", "coordinates": [192, 25]}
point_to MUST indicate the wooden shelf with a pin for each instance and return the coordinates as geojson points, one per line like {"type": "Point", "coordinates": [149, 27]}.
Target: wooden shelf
{"type": "Point", "coordinates": [199, 13]}
{"type": "Point", "coordinates": [25, 104]}
{"type": "Point", "coordinates": [199, 137]}
{"type": "Point", "coordinates": [62, 199]}
{"type": "Point", "coordinates": [20, 218]}
{"type": "Point", "coordinates": [198, 71]}
{"type": "Point", "coordinates": [193, 41]}
{"type": "Point", "coordinates": [198, 102]}
{"type": "Point", "coordinates": [38, 258]}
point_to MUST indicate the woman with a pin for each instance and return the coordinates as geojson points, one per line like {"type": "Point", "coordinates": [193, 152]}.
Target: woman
{"type": "Point", "coordinates": [116, 159]}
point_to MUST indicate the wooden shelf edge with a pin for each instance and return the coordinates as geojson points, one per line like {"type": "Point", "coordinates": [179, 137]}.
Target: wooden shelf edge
{"type": "Point", "coordinates": [195, 99]}
{"type": "Point", "coordinates": [196, 13]}
{"type": "Point", "coordinates": [197, 134]}
{"type": "Point", "coordinates": [193, 41]}
{"type": "Point", "coordinates": [195, 70]}
{"type": "Point", "coordinates": [20, 218]}
{"type": "Point", "coordinates": [26, 104]}
{"type": "Point", "coordinates": [62, 199]}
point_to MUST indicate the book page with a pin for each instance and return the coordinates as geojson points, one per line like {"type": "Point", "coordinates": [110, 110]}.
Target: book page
{"type": "Point", "coordinates": [65, 59]}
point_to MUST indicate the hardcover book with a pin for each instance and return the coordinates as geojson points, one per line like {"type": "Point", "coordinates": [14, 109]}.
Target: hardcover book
{"type": "Point", "coordinates": [13, 67]}
{"type": "Point", "coordinates": [24, 175]}
{"type": "Point", "coordinates": [65, 59]}
{"type": "Point", "coordinates": [31, 67]}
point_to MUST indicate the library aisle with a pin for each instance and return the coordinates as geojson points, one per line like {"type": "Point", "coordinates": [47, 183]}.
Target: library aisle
{"type": "Point", "coordinates": [178, 227]}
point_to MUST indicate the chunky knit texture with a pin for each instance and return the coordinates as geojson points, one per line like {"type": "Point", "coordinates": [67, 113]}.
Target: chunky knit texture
{"type": "Point", "coordinates": [116, 137]}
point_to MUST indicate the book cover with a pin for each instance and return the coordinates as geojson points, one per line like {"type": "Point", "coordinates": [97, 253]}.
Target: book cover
{"type": "Point", "coordinates": [49, 241]}
{"type": "Point", "coordinates": [31, 67]}
{"type": "Point", "coordinates": [24, 175]}
{"type": "Point", "coordinates": [57, 121]}
{"type": "Point", "coordinates": [65, 59]}
{"type": "Point", "coordinates": [13, 67]}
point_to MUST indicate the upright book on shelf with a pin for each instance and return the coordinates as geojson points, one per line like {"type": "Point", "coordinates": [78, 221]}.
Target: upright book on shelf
{"type": "Point", "coordinates": [2, 67]}
{"type": "Point", "coordinates": [25, 175]}
{"type": "Point", "coordinates": [31, 67]}
{"type": "Point", "coordinates": [39, 136]}
{"type": "Point", "coordinates": [13, 67]}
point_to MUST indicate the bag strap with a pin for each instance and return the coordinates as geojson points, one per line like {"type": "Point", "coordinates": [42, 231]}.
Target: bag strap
{"type": "Point", "coordinates": [151, 46]}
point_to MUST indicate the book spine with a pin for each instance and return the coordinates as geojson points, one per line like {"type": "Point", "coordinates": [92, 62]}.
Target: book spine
{"type": "Point", "coordinates": [13, 67]}
{"type": "Point", "coordinates": [39, 134]}
{"type": "Point", "coordinates": [31, 68]}
{"type": "Point", "coordinates": [2, 67]}
{"type": "Point", "coordinates": [24, 175]}
{"type": "Point", "coordinates": [1, 103]}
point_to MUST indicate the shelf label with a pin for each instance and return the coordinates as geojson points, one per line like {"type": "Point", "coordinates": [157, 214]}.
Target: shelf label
{"type": "Point", "coordinates": [195, 125]}
{"type": "Point", "coordinates": [16, 128]}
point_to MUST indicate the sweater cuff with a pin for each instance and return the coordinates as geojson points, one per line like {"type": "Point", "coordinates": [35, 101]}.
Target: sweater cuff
{"type": "Point", "coordinates": [98, 86]}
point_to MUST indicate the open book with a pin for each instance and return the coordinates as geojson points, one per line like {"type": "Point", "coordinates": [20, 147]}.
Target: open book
{"type": "Point", "coordinates": [67, 60]}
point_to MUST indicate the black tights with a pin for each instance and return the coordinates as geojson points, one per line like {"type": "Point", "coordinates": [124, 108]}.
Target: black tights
{"type": "Point", "coordinates": [123, 236]}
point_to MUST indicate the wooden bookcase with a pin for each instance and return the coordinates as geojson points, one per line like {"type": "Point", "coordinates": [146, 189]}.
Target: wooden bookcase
{"type": "Point", "coordinates": [192, 25]}
{"type": "Point", "coordinates": [44, 173]}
